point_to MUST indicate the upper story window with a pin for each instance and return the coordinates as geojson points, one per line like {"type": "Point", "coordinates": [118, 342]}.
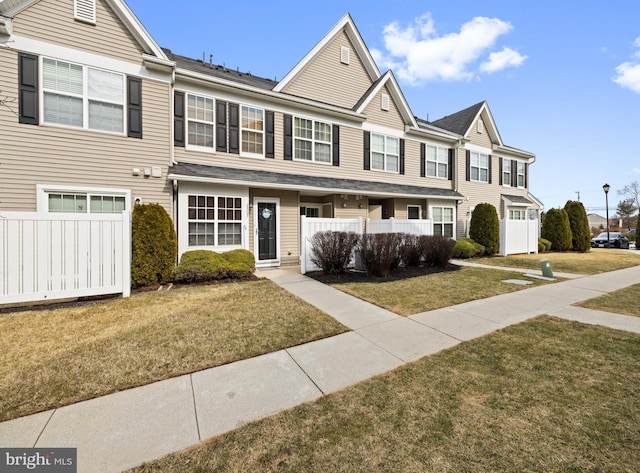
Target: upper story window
{"type": "Point", "coordinates": [312, 140]}
{"type": "Point", "coordinates": [385, 153]}
{"type": "Point", "coordinates": [252, 124]}
{"type": "Point", "coordinates": [437, 161]}
{"type": "Point", "coordinates": [479, 167]}
{"type": "Point", "coordinates": [506, 172]}
{"type": "Point", "coordinates": [81, 96]}
{"type": "Point", "coordinates": [200, 124]}
{"type": "Point", "coordinates": [522, 180]}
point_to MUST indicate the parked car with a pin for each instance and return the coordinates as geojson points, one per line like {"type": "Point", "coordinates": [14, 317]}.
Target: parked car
{"type": "Point", "coordinates": [616, 240]}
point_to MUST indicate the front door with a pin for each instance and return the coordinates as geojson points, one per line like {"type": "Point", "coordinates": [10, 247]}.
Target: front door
{"type": "Point", "coordinates": [266, 224]}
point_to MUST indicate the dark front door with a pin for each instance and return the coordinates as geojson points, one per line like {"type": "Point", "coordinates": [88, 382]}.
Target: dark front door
{"type": "Point", "coordinates": [267, 231]}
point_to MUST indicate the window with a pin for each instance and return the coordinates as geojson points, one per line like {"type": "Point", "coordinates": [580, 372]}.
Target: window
{"type": "Point", "coordinates": [252, 124]}
{"type": "Point", "coordinates": [83, 97]}
{"type": "Point", "coordinates": [214, 221]}
{"type": "Point", "coordinates": [311, 211]}
{"type": "Point", "coordinates": [479, 167]}
{"type": "Point", "coordinates": [200, 122]}
{"type": "Point", "coordinates": [413, 212]}
{"type": "Point", "coordinates": [522, 181]}
{"type": "Point", "coordinates": [442, 221]}
{"type": "Point", "coordinates": [77, 203]}
{"type": "Point", "coordinates": [437, 161]}
{"type": "Point", "coordinates": [312, 140]}
{"type": "Point", "coordinates": [517, 214]}
{"type": "Point", "coordinates": [506, 172]}
{"type": "Point", "coordinates": [385, 152]}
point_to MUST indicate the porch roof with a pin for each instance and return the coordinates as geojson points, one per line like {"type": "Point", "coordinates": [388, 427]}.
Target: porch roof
{"type": "Point", "coordinates": [307, 184]}
{"type": "Point", "coordinates": [517, 200]}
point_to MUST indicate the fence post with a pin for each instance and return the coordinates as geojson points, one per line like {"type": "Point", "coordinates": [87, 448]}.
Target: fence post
{"type": "Point", "coordinates": [126, 253]}
{"type": "Point", "coordinates": [303, 244]}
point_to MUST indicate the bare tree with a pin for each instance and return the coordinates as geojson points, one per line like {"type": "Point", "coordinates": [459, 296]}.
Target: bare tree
{"type": "Point", "coordinates": [631, 192]}
{"type": "Point", "coordinates": [626, 209]}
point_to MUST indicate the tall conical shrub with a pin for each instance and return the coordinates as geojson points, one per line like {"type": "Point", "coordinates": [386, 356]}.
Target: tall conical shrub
{"type": "Point", "coordinates": [579, 224]}
{"type": "Point", "coordinates": [557, 230]}
{"type": "Point", "coordinates": [484, 228]}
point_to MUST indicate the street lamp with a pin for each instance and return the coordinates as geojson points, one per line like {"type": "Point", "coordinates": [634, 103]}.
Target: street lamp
{"type": "Point", "coordinates": [606, 188]}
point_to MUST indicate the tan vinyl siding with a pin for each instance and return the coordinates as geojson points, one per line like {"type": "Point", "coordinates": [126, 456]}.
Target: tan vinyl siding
{"type": "Point", "coordinates": [65, 156]}
{"type": "Point", "coordinates": [390, 118]}
{"type": "Point", "coordinates": [352, 210]}
{"type": "Point", "coordinates": [480, 139]}
{"type": "Point", "coordinates": [52, 21]}
{"type": "Point", "coordinates": [327, 80]}
{"type": "Point", "coordinates": [400, 207]}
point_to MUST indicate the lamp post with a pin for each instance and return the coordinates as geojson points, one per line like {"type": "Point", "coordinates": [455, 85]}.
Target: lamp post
{"type": "Point", "coordinates": [606, 188]}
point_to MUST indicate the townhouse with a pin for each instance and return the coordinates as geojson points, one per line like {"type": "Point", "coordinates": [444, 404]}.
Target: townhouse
{"type": "Point", "coordinates": [97, 117]}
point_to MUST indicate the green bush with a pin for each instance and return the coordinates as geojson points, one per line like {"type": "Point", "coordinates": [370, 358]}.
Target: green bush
{"type": "Point", "coordinates": [484, 228]}
{"type": "Point", "coordinates": [154, 246]}
{"type": "Point", "coordinates": [331, 251]}
{"type": "Point", "coordinates": [240, 263]}
{"type": "Point", "coordinates": [467, 248]}
{"type": "Point", "coordinates": [579, 224]}
{"type": "Point", "coordinates": [557, 230]}
{"type": "Point", "coordinates": [201, 265]}
{"type": "Point", "coordinates": [543, 245]}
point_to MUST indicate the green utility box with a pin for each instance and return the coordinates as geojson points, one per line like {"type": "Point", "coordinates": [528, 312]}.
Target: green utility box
{"type": "Point", "coordinates": [545, 265]}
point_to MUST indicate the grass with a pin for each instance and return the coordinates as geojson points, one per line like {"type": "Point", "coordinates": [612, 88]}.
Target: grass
{"type": "Point", "coordinates": [414, 295]}
{"type": "Point", "coordinates": [624, 301]}
{"type": "Point", "coordinates": [545, 395]}
{"type": "Point", "coordinates": [64, 355]}
{"type": "Point", "coordinates": [594, 262]}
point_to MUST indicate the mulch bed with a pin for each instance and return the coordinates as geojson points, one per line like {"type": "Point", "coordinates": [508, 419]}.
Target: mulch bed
{"type": "Point", "coordinates": [362, 276]}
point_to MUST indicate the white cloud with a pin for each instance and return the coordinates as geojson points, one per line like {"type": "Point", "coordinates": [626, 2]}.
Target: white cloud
{"type": "Point", "coordinates": [628, 73]}
{"type": "Point", "coordinates": [417, 53]}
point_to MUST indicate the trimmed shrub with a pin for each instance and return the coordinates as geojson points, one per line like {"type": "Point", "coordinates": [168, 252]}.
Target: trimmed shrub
{"type": "Point", "coordinates": [154, 246]}
{"type": "Point", "coordinates": [543, 245]}
{"type": "Point", "coordinates": [437, 250]}
{"type": "Point", "coordinates": [380, 253]}
{"type": "Point", "coordinates": [331, 251]}
{"type": "Point", "coordinates": [557, 230]}
{"type": "Point", "coordinates": [239, 263]}
{"type": "Point", "coordinates": [579, 224]}
{"type": "Point", "coordinates": [467, 248]}
{"type": "Point", "coordinates": [200, 266]}
{"type": "Point", "coordinates": [484, 228]}
{"type": "Point", "coordinates": [637, 233]}
{"type": "Point", "coordinates": [410, 250]}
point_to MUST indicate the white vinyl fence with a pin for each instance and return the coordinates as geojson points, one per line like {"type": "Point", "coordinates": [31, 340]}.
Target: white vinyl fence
{"type": "Point", "coordinates": [393, 225]}
{"type": "Point", "coordinates": [55, 256]}
{"type": "Point", "coordinates": [518, 236]}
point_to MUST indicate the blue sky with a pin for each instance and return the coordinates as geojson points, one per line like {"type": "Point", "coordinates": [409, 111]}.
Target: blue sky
{"type": "Point", "coordinates": [562, 79]}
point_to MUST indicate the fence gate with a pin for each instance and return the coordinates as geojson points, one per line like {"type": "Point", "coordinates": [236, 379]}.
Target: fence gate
{"type": "Point", "coordinates": [54, 256]}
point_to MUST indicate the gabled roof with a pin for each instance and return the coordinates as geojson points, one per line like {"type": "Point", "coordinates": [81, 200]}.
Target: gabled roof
{"type": "Point", "coordinates": [11, 8]}
{"type": "Point", "coordinates": [388, 80]}
{"type": "Point", "coordinates": [462, 121]}
{"type": "Point", "coordinates": [346, 23]}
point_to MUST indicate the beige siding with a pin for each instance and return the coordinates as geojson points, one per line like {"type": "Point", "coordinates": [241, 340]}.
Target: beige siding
{"type": "Point", "coordinates": [52, 21]}
{"type": "Point", "coordinates": [400, 207]}
{"type": "Point", "coordinates": [390, 118]}
{"type": "Point", "coordinates": [327, 80]}
{"type": "Point", "coordinates": [480, 139]}
{"type": "Point", "coordinates": [354, 208]}
{"type": "Point", "coordinates": [65, 156]}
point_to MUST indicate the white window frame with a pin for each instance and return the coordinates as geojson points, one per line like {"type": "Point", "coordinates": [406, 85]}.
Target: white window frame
{"type": "Point", "coordinates": [441, 159]}
{"type": "Point", "coordinates": [314, 141]}
{"type": "Point", "coordinates": [216, 221]}
{"type": "Point", "coordinates": [43, 191]}
{"type": "Point", "coordinates": [244, 109]}
{"type": "Point", "coordinates": [419, 207]}
{"type": "Point", "coordinates": [85, 11]}
{"type": "Point", "coordinates": [385, 153]}
{"type": "Point", "coordinates": [317, 207]}
{"type": "Point", "coordinates": [86, 99]}
{"type": "Point", "coordinates": [475, 158]}
{"type": "Point", "coordinates": [212, 123]}
{"type": "Point", "coordinates": [506, 170]}
{"type": "Point", "coordinates": [442, 221]}
{"type": "Point", "coordinates": [517, 214]}
{"type": "Point", "coordinates": [522, 174]}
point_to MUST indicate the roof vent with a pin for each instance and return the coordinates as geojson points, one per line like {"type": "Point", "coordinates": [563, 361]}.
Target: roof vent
{"type": "Point", "coordinates": [345, 54]}
{"type": "Point", "coordinates": [5, 26]}
{"type": "Point", "coordinates": [384, 102]}
{"type": "Point", "coordinates": [85, 10]}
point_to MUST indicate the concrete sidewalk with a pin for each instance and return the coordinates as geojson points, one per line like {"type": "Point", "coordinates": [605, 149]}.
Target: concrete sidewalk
{"type": "Point", "coordinates": [125, 429]}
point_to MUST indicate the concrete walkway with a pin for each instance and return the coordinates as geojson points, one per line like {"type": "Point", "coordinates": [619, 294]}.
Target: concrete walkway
{"type": "Point", "coordinates": [125, 429]}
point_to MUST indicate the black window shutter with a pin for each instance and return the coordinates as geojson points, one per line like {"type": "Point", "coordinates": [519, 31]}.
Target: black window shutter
{"type": "Point", "coordinates": [335, 135]}
{"type": "Point", "coordinates": [526, 176]}
{"type": "Point", "coordinates": [367, 150]}
{"type": "Point", "coordinates": [450, 167]}
{"type": "Point", "coordinates": [269, 135]}
{"type": "Point", "coordinates": [468, 166]}
{"type": "Point", "coordinates": [500, 171]}
{"type": "Point", "coordinates": [28, 89]}
{"type": "Point", "coordinates": [489, 170]}
{"type": "Point", "coordinates": [514, 173]}
{"type": "Point", "coordinates": [234, 128]}
{"type": "Point", "coordinates": [178, 119]}
{"type": "Point", "coordinates": [423, 160]}
{"type": "Point", "coordinates": [134, 107]}
{"type": "Point", "coordinates": [221, 126]}
{"type": "Point", "coordinates": [288, 137]}
{"type": "Point", "coordinates": [401, 156]}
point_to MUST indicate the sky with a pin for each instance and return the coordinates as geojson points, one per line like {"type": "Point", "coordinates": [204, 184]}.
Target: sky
{"type": "Point", "coordinates": [562, 78]}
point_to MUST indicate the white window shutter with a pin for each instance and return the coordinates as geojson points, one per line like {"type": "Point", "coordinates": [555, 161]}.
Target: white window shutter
{"type": "Point", "coordinates": [344, 55]}
{"type": "Point", "coordinates": [85, 10]}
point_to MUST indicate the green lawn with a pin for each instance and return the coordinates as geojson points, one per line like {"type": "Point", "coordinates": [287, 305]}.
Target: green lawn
{"type": "Point", "coordinates": [625, 301]}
